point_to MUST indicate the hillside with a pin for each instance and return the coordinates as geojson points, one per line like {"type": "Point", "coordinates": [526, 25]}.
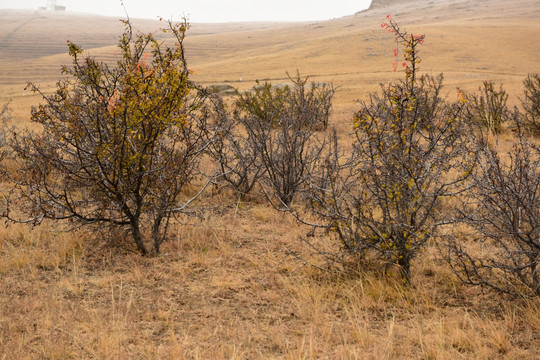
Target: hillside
{"type": "Point", "coordinates": [468, 41]}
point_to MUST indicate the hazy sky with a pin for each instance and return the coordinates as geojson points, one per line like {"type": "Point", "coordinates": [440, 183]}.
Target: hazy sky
{"type": "Point", "coordinates": [208, 10]}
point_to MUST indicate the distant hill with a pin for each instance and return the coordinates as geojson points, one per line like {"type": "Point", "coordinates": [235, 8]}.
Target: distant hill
{"type": "Point", "coordinates": [28, 34]}
{"type": "Point", "coordinates": [467, 41]}
{"type": "Point", "coordinates": [385, 3]}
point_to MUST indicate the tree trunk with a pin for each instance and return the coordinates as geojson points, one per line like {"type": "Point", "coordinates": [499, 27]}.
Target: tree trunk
{"type": "Point", "coordinates": [535, 279]}
{"type": "Point", "coordinates": [156, 236]}
{"type": "Point", "coordinates": [136, 233]}
{"type": "Point", "coordinates": [405, 269]}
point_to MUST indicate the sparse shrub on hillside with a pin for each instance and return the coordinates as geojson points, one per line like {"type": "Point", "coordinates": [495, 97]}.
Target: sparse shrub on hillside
{"type": "Point", "coordinates": [5, 114]}
{"type": "Point", "coordinates": [488, 108]}
{"type": "Point", "coordinates": [531, 103]}
{"type": "Point", "coordinates": [118, 144]}
{"type": "Point", "coordinates": [281, 125]}
{"type": "Point", "coordinates": [236, 155]}
{"type": "Point", "coordinates": [384, 201]}
{"type": "Point", "coordinates": [503, 210]}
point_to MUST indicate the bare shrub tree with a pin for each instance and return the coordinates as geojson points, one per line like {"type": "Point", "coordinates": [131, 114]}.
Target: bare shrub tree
{"type": "Point", "coordinates": [237, 156]}
{"type": "Point", "coordinates": [384, 202]}
{"type": "Point", "coordinates": [310, 103]}
{"type": "Point", "coordinates": [281, 125]}
{"type": "Point", "coordinates": [488, 108]}
{"type": "Point", "coordinates": [531, 103]}
{"type": "Point", "coordinates": [5, 115]}
{"type": "Point", "coordinates": [503, 212]}
{"type": "Point", "coordinates": [118, 144]}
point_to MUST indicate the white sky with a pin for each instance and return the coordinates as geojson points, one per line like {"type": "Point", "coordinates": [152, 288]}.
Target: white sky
{"type": "Point", "coordinates": [208, 10]}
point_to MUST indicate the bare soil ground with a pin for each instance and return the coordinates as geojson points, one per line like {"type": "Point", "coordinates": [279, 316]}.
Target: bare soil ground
{"type": "Point", "coordinates": [234, 284]}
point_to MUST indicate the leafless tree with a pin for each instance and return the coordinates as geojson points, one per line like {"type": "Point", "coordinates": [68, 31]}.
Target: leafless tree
{"type": "Point", "coordinates": [281, 125]}
{"type": "Point", "coordinates": [237, 156]}
{"type": "Point", "coordinates": [502, 211]}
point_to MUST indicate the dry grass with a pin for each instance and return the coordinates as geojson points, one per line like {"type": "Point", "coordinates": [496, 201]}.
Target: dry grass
{"type": "Point", "coordinates": [224, 287]}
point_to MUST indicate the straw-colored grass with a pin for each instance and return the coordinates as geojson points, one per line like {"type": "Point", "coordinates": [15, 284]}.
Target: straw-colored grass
{"type": "Point", "coordinates": [225, 289]}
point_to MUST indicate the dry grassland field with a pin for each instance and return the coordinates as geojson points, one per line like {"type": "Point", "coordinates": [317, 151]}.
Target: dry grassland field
{"type": "Point", "coordinates": [226, 285]}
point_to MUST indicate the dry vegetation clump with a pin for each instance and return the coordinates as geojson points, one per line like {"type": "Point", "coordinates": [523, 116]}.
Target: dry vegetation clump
{"type": "Point", "coordinates": [272, 138]}
{"type": "Point", "coordinates": [503, 213]}
{"type": "Point", "coordinates": [531, 103]}
{"type": "Point", "coordinates": [4, 117]}
{"type": "Point", "coordinates": [237, 157]}
{"type": "Point", "coordinates": [488, 107]}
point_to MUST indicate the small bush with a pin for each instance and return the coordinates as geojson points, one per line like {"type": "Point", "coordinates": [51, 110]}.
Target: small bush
{"type": "Point", "coordinates": [503, 210]}
{"type": "Point", "coordinates": [281, 125]}
{"type": "Point", "coordinates": [307, 104]}
{"type": "Point", "coordinates": [237, 156]}
{"type": "Point", "coordinates": [5, 115]}
{"type": "Point", "coordinates": [531, 103]}
{"type": "Point", "coordinates": [384, 202]}
{"type": "Point", "coordinates": [488, 108]}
